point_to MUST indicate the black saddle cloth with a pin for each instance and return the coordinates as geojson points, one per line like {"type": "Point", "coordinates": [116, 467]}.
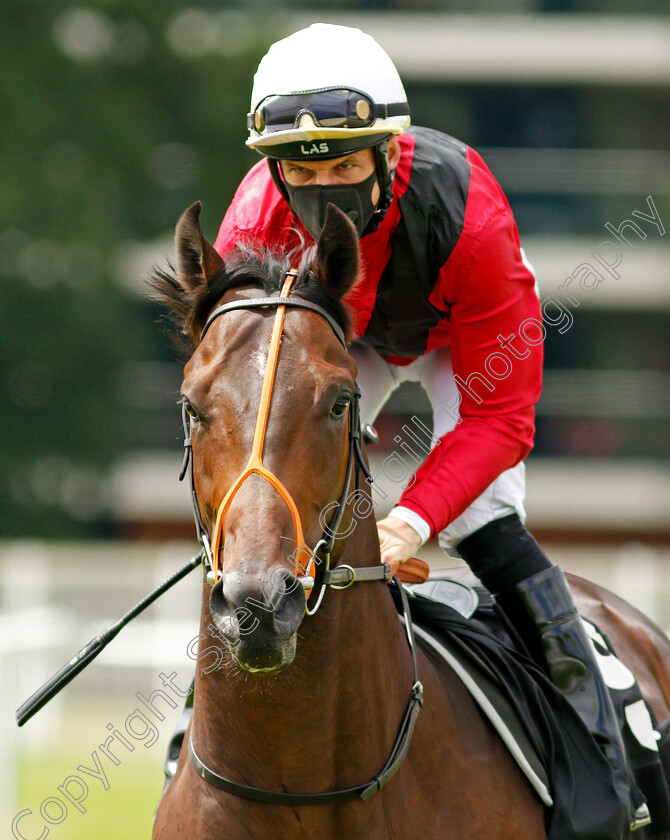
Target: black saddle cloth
{"type": "Point", "coordinates": [587, 803]}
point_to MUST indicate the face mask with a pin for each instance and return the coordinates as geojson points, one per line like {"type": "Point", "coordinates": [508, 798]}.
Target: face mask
{"type": "Point", "coordinates": [355, 200]}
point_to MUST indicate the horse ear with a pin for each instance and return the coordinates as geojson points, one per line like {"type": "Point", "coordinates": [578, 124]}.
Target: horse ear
{"type": "Point", "coordinates": [196, 258]}
{"type": "Point", "coordinates": [337, 256]}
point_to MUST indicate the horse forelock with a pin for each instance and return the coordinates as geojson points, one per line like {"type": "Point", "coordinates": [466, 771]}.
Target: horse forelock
{"type": "Point", "coordinates": [191, 303]}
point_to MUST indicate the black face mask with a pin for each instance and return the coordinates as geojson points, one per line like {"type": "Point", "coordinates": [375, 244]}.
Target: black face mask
{"type": "Point", "coordinates": [355, 200]}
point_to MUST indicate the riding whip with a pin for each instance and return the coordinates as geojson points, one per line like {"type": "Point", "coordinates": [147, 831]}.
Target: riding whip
{"type": "Point", "coordinates": [89, 652]}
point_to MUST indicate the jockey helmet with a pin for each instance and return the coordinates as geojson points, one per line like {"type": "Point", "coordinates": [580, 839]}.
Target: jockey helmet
{"type": "Point", "coordinates": [323, 93]}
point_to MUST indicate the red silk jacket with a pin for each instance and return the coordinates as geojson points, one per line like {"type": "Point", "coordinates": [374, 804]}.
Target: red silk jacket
{"type": "Point", "coordinates": [444, 267]}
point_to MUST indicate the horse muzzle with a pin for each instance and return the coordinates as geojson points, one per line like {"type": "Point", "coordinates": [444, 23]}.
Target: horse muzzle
{"type": "Point", "coordinates": [259, 617]}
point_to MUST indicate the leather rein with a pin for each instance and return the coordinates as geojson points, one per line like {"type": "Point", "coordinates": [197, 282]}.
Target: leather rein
{"type": "Point", "coordinates": [396, 757]}
{"type": "Point", "coordinates": [340, 577]}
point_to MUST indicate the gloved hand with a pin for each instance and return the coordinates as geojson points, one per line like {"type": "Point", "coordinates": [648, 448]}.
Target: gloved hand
{"type": "Point", "coordinates": [398, 540]}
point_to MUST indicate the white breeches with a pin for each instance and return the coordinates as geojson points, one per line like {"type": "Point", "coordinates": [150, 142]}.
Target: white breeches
{"type": "Point", "coordinates": [378, 379]}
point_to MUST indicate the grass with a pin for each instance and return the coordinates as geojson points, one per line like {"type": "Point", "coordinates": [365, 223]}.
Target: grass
{"type": "Point", "coordinates": [124, 810]}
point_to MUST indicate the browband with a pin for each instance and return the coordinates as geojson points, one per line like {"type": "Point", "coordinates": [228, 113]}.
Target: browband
{"type": "Point", "coordinates": [254, 303]}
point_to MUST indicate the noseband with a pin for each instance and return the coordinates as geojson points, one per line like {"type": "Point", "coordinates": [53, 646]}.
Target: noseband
{"type": "Point", "coordinates": [342, 576]}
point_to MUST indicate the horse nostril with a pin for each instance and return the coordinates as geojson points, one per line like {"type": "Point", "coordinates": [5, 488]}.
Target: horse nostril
{"type": "Point", "coordinates": [289, 608]}
{"type": "Point", "coordinates": [240, 606]}
{"type": "Point", "coordinates": [225, 617]}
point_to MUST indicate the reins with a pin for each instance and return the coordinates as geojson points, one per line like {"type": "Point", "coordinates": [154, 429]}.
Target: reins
{"type": "Point", "coordinates": [365, 791]}
{"type": "Point", "coordinates": [341, 576]}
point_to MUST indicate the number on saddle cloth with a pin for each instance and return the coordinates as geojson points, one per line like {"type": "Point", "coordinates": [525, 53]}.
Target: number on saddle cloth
{"type": "Point", "coordinates": [647, 744]}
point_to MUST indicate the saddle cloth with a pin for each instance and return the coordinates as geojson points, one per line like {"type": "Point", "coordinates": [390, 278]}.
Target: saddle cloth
{"type": "Point", "coordinates": [456, 622]}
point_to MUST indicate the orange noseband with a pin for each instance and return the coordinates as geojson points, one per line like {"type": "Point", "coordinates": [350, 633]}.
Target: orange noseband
{"type": "Point", "coordinates": [255, 463]}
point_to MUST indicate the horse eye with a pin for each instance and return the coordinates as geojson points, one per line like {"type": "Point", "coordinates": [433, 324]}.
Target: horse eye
{"type": "Point", "coordinates": [340, 405]}
{"type": "Point", "coordinates": [188, 408]}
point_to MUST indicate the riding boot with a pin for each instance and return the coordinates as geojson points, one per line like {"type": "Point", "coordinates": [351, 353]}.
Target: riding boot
{"type": "Point", "coordinates": [542, 610]}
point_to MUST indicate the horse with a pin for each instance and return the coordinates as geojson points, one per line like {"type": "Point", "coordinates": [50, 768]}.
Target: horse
{"type": "Point", "coordinates": [306, 681]}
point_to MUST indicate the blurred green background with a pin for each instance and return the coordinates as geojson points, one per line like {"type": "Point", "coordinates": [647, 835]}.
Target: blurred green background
{"type": "Point", "coordinates": [117, 115]}
{"type": "Point", "coordinates": [114, 121]}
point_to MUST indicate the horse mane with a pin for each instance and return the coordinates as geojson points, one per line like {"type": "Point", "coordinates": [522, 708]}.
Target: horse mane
{"type": "Point", "coordinates": [189, 300]}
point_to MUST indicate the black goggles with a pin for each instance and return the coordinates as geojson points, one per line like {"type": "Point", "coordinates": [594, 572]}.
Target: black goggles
{"type": "Point", "coordinates": [329, 108]}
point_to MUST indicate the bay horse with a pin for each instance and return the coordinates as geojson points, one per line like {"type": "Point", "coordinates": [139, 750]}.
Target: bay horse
{"type": "Point", "coordinates": [292, 705]}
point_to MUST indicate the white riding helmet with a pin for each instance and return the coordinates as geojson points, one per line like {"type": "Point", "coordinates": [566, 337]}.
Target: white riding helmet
{"type": "Point", "coordinates": [324, 92]}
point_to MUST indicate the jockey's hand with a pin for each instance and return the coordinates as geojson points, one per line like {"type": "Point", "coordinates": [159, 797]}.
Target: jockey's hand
{"type": "Point", "coordinates": [398, 540]}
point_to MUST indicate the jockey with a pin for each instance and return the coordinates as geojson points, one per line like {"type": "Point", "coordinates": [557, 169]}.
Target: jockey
{"type": "Point", "coordinates": [446, 298]}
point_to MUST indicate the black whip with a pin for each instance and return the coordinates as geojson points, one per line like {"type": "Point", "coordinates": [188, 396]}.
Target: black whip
{"type": "Point", "coordinates": [89, 652]}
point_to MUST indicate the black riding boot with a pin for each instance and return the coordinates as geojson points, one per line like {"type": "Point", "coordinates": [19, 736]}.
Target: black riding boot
{"type": "Point", "coordinates": [535, 597]}
{"type": "Point", "coordinates": [542, 610]}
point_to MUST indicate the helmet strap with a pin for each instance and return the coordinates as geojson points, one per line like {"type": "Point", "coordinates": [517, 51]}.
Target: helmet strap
{"type": "Point", "coordinates": [276, 175]}
{"type": "Point", "coordinates": [385, 181]}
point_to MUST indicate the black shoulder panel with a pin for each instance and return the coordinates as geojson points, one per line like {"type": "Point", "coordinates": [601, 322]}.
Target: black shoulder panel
{"type": "Point", "coordinates": [432, 212]}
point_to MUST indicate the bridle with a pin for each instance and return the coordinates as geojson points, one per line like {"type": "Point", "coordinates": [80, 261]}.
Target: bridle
{"type": "Point", "coordinates": [341, 577]}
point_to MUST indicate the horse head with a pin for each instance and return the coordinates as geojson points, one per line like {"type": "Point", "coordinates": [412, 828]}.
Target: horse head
{"type": "Point", "coordinates": [273, 454]}
{"type": "Point", "coordinates": [258, 428]}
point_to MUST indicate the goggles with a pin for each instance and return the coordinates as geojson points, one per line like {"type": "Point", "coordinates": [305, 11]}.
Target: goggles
{"type": "Point", "coordinates": [329, 108]}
